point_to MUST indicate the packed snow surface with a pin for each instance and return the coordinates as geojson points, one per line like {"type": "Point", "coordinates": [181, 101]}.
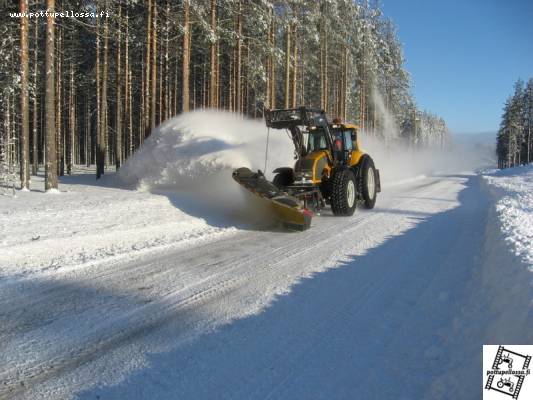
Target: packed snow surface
{"type": "Point", "coordinates": [85, 224]}
{"type": "Point", "coordinates": [167, 281]}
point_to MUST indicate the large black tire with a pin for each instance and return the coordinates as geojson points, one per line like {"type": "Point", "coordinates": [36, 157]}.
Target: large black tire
{"type": "Point", "coordinates": [344, 193]}
{"type": "Point", "coordinates": [283, 178]}
{"type": "Point", "coordinates": [367, 182]}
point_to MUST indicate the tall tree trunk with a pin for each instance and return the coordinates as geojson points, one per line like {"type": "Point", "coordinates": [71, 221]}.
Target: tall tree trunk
{"type": "Point", "coordinates": [127, 109]}
{"type": "Point", "coordinates": [345, 85]}
{"type": "Point", "coordinates": [166, 108]}
{"type": "Point", "coordinates": [213, 50]}
{"type": "Point", "coordinates": [287, 66]}
{"type": "Point", "coordinates": [50, 150]}
{"type": "Point", "coordinates": [186, 58]}
{"type": "Point", "coordinates": [326, 83]}
{"type": "Point", "coordinates": [147, 70]}
{"type": "Point", "coordinates": [321, 67]}
{"type": "Point", "coordinates": [273, 65]}
{"type": "Point", "coordinates": [105, 69]}
{"type": "Point", "coordinates": [238, 67]}
{"type": "Point", "coordinates": [266, 105]}
{"type": "Point", "coordinates": [72, 123]}
{"type": "Point", "coordinates": [175, 101]}
{"type": "Point", "coordinates": [205, 93]}
{"type": "Point", "coordinates": [362, 105]}
{"type": "Point", "coordinates": [9, 141]}
{"type": "Point", "coordinates": [294, 68]}
{"type": "Point", "coordinates": [231, 86]}
{"type": "Point", "coordinates": [130, 114]}
{"type": "Point", "coordinates": [160, 116]}
{"type": "Point", "coordinates": [118, 82]}
{"type": "Point", "coordinates": [24, 100]}
{"type": "Point", "coordinates": [153, 95]}
{"type": "Point", "coordinates": [142, 117]}
{"type": "Point", "coordinates": [35, 134]}
{"type": "Point", "coordinates": [217, 78]}
{"type": "Point", "coordinates": [99, 148]}
{"type": "Point", "coordinates": [59, 99]}
{"type": "Point", "coordinates": [530, 120]}
{"type": "Point", "coordinates": [88, 138]}
{"type": "Point", "coordinates": [245, 73]}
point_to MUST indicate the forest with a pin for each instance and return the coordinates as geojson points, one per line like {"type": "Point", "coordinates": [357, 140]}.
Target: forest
{"type": "Point", "coordinates": [85, 82]}
{"type": "Point", "coordinates": [514, 145]}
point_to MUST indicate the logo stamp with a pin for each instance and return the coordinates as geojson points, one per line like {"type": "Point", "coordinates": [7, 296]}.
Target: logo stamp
{"type": "Point", "coordinates": [507, 372]}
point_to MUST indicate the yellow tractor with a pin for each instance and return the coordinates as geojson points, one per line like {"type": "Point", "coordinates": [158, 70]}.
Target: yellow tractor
{"type": "Point", "coordinates": [330, 168]}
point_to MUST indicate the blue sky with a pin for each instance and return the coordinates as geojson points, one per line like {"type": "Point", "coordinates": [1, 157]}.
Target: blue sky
{"type": "Point", "coordinates": [464, 56]}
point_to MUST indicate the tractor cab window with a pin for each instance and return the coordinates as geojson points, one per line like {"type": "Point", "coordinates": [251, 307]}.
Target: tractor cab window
{"type": "Point", "coordinates": [344, 138]}
{"type": "Point", "coordinates": [316, 140]}
{"type": "Point", "coordinates": [348, 139]}
{"type": "Point", "coordinates": [354, 138]}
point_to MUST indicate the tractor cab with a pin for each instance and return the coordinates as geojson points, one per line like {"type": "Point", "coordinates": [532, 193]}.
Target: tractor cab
{"type": "Point", "coordinates": [345, 139]}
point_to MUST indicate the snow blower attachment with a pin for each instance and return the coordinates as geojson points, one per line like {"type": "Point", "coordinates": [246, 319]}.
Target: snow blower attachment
{"type": "Point", "coordinates": [287, 208]}
{"type": "Point", "coordinates": [330, 168]}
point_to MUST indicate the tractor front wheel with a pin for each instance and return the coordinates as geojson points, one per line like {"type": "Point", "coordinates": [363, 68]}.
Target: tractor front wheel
{"type": "Point", "coordinates": [344, 193]}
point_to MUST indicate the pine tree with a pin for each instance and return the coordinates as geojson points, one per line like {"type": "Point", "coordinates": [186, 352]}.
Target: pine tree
{"type": "Point", "coordinates": [51, 181]}
{"type": "Point", "coordinates": [24, 100]}
{"type": "Point", "coordinates": [528, 116]}
{"type": "Point", "coordinates": [186, 58]}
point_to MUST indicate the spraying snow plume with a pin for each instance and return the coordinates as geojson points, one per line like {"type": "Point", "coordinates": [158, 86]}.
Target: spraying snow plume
{"type": "Point", "coordinates": [387, 123]}
{"type": "Point", "coordinates": [203, 143]}
{"type": "Point", "coordinates": [190, 158]}
{"type": "Point", "coordinates": [398, 159]}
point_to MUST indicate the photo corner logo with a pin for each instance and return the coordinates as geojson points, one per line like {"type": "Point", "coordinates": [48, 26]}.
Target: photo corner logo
{"type": "Point", "coordinates": [507, 372]}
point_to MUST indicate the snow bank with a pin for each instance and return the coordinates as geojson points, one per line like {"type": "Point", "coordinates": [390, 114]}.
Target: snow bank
{"type": "Point", "coordinates": [514, 188]}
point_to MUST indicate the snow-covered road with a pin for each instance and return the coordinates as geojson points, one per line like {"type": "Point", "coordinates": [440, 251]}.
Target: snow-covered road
{"type": "Point", "coordinates": [390, 303]}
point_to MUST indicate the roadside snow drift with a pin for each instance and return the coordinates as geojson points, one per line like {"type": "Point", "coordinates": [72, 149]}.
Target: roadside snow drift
{"type": "Point", "coordinates": [514, 187]}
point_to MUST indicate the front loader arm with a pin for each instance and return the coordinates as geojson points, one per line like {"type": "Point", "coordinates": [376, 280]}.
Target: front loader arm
{"type": "Point", "coordinates": [298, 140]}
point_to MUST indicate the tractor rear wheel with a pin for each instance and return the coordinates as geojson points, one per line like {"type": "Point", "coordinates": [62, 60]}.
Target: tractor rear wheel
{"type": "Point", "coordinates": [367, 182]}
{"type": "Point", "coordinates": [344, 193]}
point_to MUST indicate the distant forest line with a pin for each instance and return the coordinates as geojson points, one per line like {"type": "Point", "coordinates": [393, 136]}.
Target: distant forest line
{"type": "Point", "coordinates": [514, 145]}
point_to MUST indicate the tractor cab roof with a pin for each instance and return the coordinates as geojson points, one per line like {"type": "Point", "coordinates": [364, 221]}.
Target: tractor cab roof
{"type": "Point", "coordinates": [344, 126]}
{"type": "Point", "coordinates": [302, 116]}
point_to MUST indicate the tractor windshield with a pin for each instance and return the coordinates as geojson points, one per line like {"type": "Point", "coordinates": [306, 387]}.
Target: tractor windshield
{"type": "Point", "coordinates": [346, 136]}
{"type": "Point", "coordinates": [316, 140]}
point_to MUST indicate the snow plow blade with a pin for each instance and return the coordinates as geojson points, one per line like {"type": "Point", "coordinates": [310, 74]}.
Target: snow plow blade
{"type": "Point", "coordinates": [287, 208]}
